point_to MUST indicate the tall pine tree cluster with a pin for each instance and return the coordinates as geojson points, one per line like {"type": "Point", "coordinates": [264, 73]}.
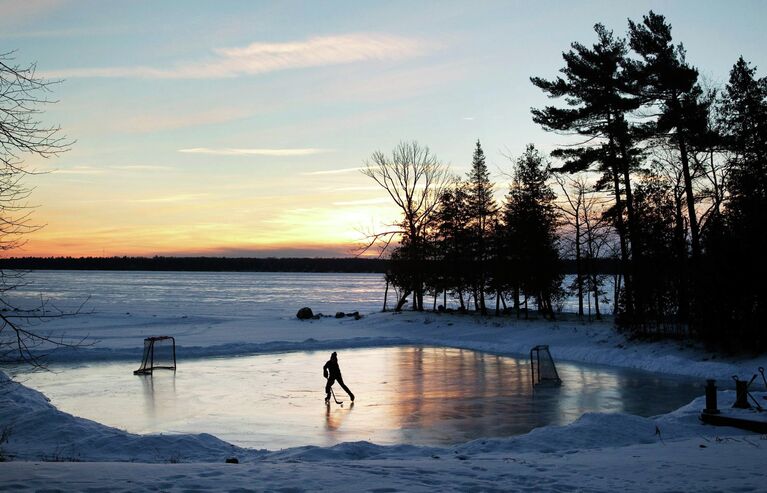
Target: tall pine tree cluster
{"type": "Point", "coordinates": [685, 166]}
{"type": "Point", "coordinates": [667, 176]}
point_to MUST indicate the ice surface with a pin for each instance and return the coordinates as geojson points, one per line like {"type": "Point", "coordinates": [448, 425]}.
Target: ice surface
{"type": "Point", "coordinates": [413, 395]}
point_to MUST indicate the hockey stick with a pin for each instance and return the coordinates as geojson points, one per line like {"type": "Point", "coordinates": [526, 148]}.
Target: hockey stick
{"type": "Point", "coordinates": [334, 397]}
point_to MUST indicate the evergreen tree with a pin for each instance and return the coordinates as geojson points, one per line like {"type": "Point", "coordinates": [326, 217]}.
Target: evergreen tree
{"type": "Point", "coordinates": [481, 210]}
{"type": "Point", "coordinates": [598, 97]}
{"type": "Point", "coordinates": [744, 124]}
{"type": "Point", "coordinates": [452, 242]}
{"type": "Point", "coordinates": [665, 79]}
{"type": "Point", "coordinates": [656, 211]}
{"type": "Point", "coordinates": [530, 230]}
{"type": "Point", "coordinates": [732, 315]}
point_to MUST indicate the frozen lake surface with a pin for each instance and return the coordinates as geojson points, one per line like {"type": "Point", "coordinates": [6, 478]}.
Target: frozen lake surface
{"type": "Point", "coordinates": [414, 395]}
{"type": "Point", "coordinates": [241, 293]}
{"type": "Point", "coordinates": [264, 294]}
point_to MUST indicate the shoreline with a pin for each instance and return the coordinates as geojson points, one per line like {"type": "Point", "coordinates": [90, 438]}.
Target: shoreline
{"type": "Point", "coordinates": [221, 335]}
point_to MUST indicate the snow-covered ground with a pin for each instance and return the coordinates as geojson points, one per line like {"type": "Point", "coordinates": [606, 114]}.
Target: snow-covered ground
{"type": "Point", "coordinates": [52, 450]}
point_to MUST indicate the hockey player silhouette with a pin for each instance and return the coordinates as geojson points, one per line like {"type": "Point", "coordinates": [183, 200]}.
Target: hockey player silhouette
{"type": "Point", "coordinates": [332, 372]}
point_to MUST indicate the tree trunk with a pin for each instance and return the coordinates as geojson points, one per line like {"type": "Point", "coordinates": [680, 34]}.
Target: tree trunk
{"type": "Point", "coordinates": [620, 225]}
{"type": "Point", "coordinates": [636, 253]}
{"type": "Point", "coordinates": [419, 296]}
{"type": "Point", "coordinates": [690, 195]}
{"type": "Point", "coordinates": [386, 294]}
{"type": "Point", "coordinates": [402, 301]}
{"type": "Point", "coordinates": [552, 314]}
{"type": "Point", "coordinates": [578, 266]}
{"type": "Point", "coordinates": [681, 246]}
{"type": "Point", "coordinates": [597, 313]}
{"type": "Point", "coordinates": [527, 311]}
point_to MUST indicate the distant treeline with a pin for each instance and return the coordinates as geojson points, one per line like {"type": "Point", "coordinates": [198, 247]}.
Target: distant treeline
{"type": "Point", "coordinates": [199, 264]}
{"type": "Point", "coordinates": [230, 264]}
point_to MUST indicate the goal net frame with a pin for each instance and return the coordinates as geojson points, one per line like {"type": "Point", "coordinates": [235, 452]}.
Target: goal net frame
{"type": "Point", "coordinates": [148, 361]}
{"type": "Point", "coordinates": [542, 367]}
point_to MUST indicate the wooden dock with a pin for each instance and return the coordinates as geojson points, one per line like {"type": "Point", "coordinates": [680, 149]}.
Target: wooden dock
{"type": "Point", "coordinates": [745, 419]}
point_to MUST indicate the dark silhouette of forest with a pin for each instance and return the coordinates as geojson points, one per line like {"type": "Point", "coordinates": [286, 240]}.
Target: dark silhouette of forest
{"type": "Point", "coordinates": [660, 171]}
{"type": "Point", "coordinates": [231, 264]}
{"type": "Point", "coordinates": [198, 264]}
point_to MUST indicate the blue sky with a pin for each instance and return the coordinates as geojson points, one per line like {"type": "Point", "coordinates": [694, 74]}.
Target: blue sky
{"type": "Point", "coordinates": [237, 127]}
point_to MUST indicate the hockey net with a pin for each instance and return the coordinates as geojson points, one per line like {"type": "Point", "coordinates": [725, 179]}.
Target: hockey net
{"type": "Point", "coordinates": [159, 353]}
{"type": "Point", "coordinates": [544, 371]}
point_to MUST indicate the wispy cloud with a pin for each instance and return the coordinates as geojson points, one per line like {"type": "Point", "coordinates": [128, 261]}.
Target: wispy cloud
{"type": "Point", "coordinates": [141, 167]}
{"type": "Point", "coordinates": [379, 200]}
{"type": "Point", "coordinates": [259, 58]}
{"type": "Point", "coordinates": [172, 198]}
{"type": "Point", "coordinates": [226, 151]}
{"type": "Point", "coordinates": [360, 188]}
{"type": "Point", "coordinates": [178, 118]}
{"type": "Point", "coordinates": [100, 170]}
{"type": "Point", "coordinates": [79, 170]}
{"type": "Point", "coordinates": [58, 33]}
{"type": "Point", "coordinates": [15, 11]}
{"type": "Point", "coordinates": [332, 171]}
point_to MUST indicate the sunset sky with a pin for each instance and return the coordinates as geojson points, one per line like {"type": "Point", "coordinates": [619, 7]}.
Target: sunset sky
{"type": "Point", "coordinates": [238, 128]}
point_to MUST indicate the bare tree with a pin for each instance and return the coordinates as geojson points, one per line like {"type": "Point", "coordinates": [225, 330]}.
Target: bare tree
{"type": "Point", "coordinates": [23, 96]}
{"type": "Point", "coordinates": [414, 179]}
{"type": "Point", "coordinates": [582, 210]}
{"type": "Point", "coordinates": [571, 212]}
{"type": "Point", "coordinates": [598, 235]}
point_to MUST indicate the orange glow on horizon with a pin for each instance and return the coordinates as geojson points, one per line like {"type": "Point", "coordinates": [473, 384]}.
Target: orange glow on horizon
{"type": "Point", "coordinates": [316, 250]}
{"type": "Point", "coordinates": [323, 219]}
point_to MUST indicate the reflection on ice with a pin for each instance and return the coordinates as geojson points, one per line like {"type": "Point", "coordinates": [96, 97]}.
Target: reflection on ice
{"type": "Point", "coordinates": [403, 395]}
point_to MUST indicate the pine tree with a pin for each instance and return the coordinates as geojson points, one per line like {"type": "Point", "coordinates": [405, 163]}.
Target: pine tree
{"type": "Point", "coordinates": [452, 242]}
{"type": "Point", "coordinates": [481, 212]}
{"type": "Point", "coordinates": [744, 123]}
{"type": "Point", "coordinates": [731, 313]}
{"type": "Point", "coordinates": [656, 211]}
{"type": "Point", "coordinates": [665, 79]}
{"type": "Point", "coordinates": [597, 94]}
{"type": "Point", "coordinates": [530, 231]}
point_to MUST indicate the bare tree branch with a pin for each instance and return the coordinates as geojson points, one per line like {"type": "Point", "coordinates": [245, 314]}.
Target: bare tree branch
{"type": "Point", "coordinates": [23, 96]}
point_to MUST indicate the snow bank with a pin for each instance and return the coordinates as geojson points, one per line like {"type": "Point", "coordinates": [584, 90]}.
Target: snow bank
{"type": "Point", "coordinates": [39, 431]}
{"type": "Point", "coordinates": [42, 432]}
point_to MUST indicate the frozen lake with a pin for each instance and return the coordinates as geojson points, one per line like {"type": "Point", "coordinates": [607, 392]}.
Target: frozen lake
{"type": "Point", "coordinates": [199, 293]}
{"type": "Point", "coordinates": [425, 396]}
{"type": "Point", "coordinates": [241, 293]}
